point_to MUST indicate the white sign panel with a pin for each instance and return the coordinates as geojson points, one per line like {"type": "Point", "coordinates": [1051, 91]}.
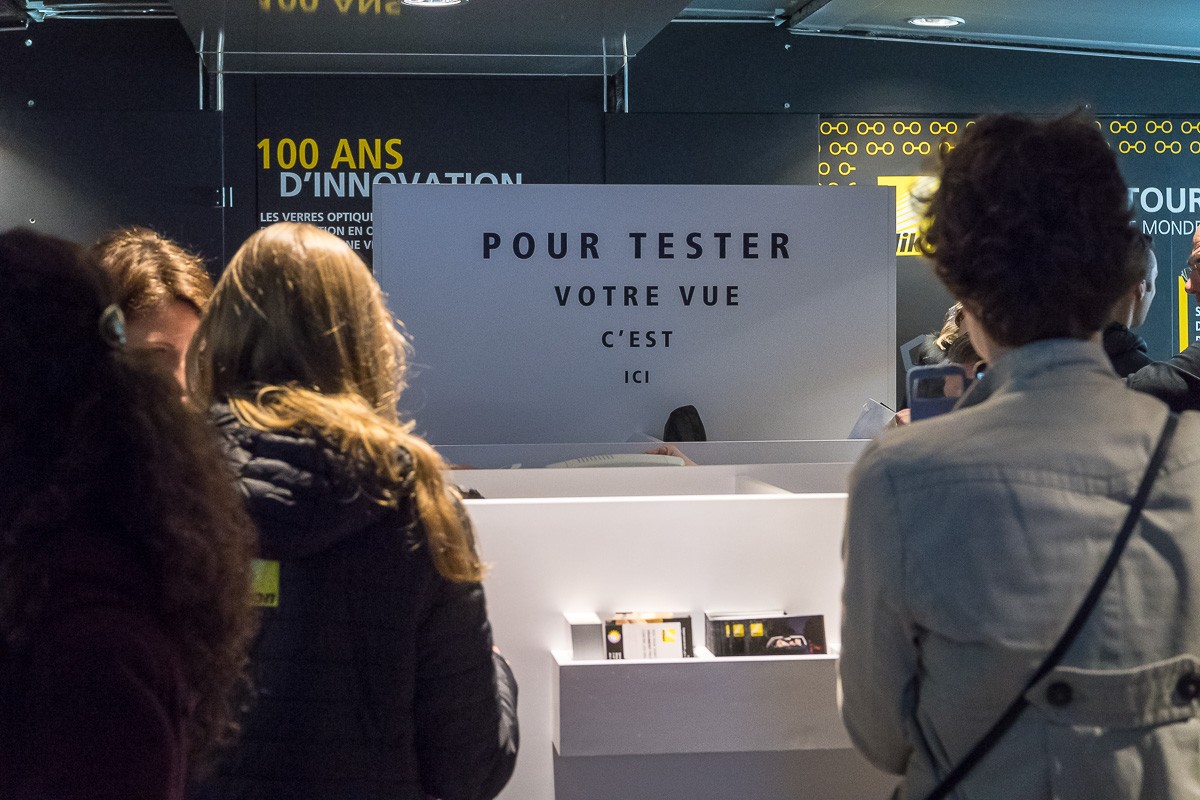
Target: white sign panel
{"type": "Point", "coordinates": [584, 313]}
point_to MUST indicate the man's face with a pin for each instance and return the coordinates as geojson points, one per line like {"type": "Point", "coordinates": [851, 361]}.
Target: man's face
{"type": "Point", "coordinates": [1192, 285]}
{"type": "Point", "coordinates": [1141, 306]}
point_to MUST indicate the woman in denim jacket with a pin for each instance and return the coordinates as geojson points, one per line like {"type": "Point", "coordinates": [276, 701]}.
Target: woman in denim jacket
{"type": "Point", "coordinates": [972, 538]}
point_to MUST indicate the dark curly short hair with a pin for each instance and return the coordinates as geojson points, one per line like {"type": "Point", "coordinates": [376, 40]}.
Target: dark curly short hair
{"type": "Point", "coordinates": [1031, 228]}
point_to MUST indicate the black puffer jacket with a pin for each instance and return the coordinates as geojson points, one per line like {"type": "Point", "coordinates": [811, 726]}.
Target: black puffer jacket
{"type": "Point", "coordinates": [375, 676]}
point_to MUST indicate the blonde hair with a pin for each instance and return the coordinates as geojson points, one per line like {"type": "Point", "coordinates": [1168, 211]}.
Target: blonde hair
{"type": "Point", "coordinates": [952, 328]}
{"type": "Point", "coordinates": [297, 336]}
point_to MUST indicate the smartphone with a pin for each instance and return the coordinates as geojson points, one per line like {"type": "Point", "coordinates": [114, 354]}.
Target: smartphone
{"type": "Point", "coordinates": [934, 390]}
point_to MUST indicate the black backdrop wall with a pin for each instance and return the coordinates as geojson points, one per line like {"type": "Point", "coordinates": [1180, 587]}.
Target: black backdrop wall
{"type": "Point", "coordinates": [106, 123]}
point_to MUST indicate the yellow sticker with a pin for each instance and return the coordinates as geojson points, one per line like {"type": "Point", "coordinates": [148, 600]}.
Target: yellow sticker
{"type": "Point", "coordinates": [1183, 314]}
{"type": "Point", "coordinates": [739, 629]}
{"type": "Point", "coordinates": [756, 629]}
{"type": "Point", "coordinates": [266, 583]}
{"type": "Point", "coordinates": [668, 635]}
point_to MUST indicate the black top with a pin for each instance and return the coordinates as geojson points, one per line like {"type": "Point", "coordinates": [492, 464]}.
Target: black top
{"type": "Point", "coordinates": [375, 676]}
{"type": "Point", "coordinates": [1175, 381]}
{"type": "Point", "coordinates": [96, 705]}
{"type": "Point", "coordinates": [1125, 349]}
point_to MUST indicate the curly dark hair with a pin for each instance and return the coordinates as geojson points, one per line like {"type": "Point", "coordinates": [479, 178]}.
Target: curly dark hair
{"type": "Point", "coordinates": [96, 441]}
{"type": "Point", "coordinates": [1031, 227]}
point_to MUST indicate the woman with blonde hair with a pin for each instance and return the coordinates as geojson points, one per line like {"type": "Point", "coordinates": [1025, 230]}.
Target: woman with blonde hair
{"type": "Point", "coordinates": [376, 671]}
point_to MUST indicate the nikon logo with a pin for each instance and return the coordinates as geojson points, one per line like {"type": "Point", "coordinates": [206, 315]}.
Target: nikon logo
{"type": "Point", "coordinates": [266, 583]}
{"type": "Point", "coordinates": [911, 192]}
{"type": "Point", "coordinates": [908, 243]}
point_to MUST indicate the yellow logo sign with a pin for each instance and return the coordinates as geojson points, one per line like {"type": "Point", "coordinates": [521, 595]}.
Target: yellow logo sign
{"type": "Point", "coordinates": [266, 583]}
{"type": "Point", "coordinates": [909, 208]}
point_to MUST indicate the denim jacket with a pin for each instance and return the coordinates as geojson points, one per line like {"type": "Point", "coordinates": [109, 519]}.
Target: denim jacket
{"type": "Point", "coordinates": [970, 541]}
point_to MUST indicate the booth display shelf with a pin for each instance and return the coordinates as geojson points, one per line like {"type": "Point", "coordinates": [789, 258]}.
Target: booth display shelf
{"type": "Point", "coordinates": [687, 539]}
{"type": "Point", "coordinates": [782, 452]}
{"type": "Point", "coordinates": [714, 480]}
{"type": "Point", "coordinates": [696, 705]}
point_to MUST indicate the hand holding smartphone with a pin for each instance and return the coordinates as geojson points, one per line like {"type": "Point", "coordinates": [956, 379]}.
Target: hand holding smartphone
{"type": "Point", "coordinates": [934, 390]}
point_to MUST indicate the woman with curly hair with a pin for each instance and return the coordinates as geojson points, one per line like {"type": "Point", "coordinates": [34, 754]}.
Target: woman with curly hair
{"type": "Point", "coordinates": [376, 671]}
{"type": "Point", "coordinates": [125, 552]}
{"type": "Point", "coordinates": [973, 539]}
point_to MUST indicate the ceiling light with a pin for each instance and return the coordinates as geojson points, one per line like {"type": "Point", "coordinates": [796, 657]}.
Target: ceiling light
{"type": "Point", "coordinates": [936, 21]}
{"type": "Point", "coordinates": [432, 3]}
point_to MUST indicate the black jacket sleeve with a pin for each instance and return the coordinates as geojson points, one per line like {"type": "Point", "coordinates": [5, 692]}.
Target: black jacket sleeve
{"type": "Point", "coordinates": [466, 698]}
{"type": "Point", "coordinates": [1175, 381]}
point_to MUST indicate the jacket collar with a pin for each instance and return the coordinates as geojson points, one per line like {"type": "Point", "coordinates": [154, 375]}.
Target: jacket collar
{"type": "Point", "coordinates": [1119, 340]}
{"type": "Point", "coordinates": [301, 493]}
{"type": "Point", "coordinates": [1039, 363]}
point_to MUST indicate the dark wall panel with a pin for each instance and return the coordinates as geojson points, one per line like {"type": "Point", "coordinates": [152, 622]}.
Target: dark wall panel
{"type": "Point", "coordinates": [709, 68]}
{"type": "Point", "coordinates": [77, 173]}
{"type": "Point", "coordinates": [101, 65]}
{"type": "Point", "coordinates": [710, 148]}
{"type": "Point", "coordinates": [100, 126]}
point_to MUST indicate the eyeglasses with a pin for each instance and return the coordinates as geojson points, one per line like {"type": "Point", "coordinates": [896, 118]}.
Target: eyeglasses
{"type": "Point", "coordinates": [1186, 273]}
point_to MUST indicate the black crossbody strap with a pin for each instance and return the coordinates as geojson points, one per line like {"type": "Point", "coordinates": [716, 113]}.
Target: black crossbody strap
{"type": "Point", "coordinates": [1001, 726]}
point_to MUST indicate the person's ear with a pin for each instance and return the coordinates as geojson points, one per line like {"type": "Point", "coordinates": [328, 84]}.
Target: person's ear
{"type": "Point", "coordinates": [1141, 290]}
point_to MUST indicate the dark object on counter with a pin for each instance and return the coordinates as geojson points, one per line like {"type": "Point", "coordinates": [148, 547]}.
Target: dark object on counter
{"type": "Point", "coordinates": [684, 425]}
